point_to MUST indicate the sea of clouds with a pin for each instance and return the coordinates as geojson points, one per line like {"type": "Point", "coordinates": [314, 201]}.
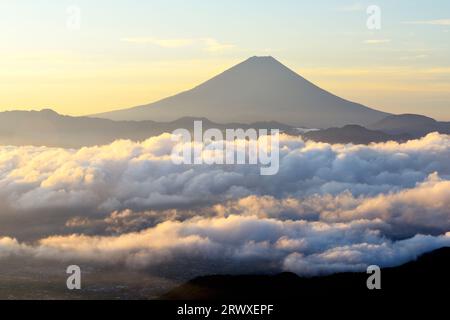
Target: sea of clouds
{"type": "Point", "coordinates": [330, 208]}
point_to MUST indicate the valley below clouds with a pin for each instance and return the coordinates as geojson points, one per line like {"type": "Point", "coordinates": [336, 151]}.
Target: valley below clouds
{"type": "Point", "coordinates": [331, 208]}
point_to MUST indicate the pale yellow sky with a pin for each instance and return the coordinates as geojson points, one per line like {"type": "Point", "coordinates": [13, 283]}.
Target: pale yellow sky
{"type": "Point", "coordinates": [75, 86]}
{"type": "Point", "coordinates": [124, 55]}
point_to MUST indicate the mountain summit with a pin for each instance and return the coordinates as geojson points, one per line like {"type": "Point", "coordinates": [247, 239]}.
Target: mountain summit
{"type": "Point", "coordinates": [258, 89]}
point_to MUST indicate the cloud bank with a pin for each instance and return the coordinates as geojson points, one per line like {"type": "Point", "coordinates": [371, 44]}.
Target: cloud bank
{"type": "Point", "coordinates": [331, 208]}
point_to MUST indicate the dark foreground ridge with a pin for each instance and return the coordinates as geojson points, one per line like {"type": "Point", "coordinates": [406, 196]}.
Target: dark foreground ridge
{"type": "Point", "coordinates": [428, 275]}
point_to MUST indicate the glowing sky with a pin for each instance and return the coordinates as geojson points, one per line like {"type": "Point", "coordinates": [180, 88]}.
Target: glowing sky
{"type": "Point", "coordinates": [132, 52]}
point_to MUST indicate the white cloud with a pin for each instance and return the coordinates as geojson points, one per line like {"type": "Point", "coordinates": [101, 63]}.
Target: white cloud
{"type": "Point", "coordinates": [126, 174]}
{"type": "Point", "coordinates": [331, 207]}
{"type": "Point", "coordinates": [164, 43]}
{"type": "Point", "coordinates": [207, 44]}
{"type": "Point", "coordinates": [307, 248]}
{"type": "Point", "coordinates": [212, 45]}
{"type": "Point", "coordinates": [436, 22]}
{"type": "Point", "coordinates": [377, 41]}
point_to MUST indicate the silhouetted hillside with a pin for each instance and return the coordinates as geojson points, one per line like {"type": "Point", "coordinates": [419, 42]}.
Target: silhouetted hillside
{"type": "Point", "coordinates": [353, 134]}
{"type": "Point", "coordinates": [412, 124]}
{"type": "Point", "coordinates": [48, 128]}
{"type": "Point", "coordinates": [429, 275]}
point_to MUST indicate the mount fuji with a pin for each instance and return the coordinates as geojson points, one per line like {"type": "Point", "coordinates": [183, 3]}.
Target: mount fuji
{"type": "Point", "coordinates": [256, 90]}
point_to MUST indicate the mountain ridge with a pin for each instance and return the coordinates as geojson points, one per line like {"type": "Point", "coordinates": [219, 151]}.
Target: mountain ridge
{"type": "Point", "coordinates": [48, 128]}
{"type": "Point", "coordinates": [425, 274]}
{"type": "Point", "coordinates": [412, 124]}
{"type": "Point", "coordinates": [257, 89]}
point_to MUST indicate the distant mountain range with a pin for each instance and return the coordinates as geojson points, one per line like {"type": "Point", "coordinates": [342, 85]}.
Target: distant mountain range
{"type": "Point", "coordinates": [426, 276]}
{"type": "Point", "coordinates": [259, 89]}
{"type": "Point", "coordinates": [48, 128]}
{"type": "Point", "coordinates": [412, 124]}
